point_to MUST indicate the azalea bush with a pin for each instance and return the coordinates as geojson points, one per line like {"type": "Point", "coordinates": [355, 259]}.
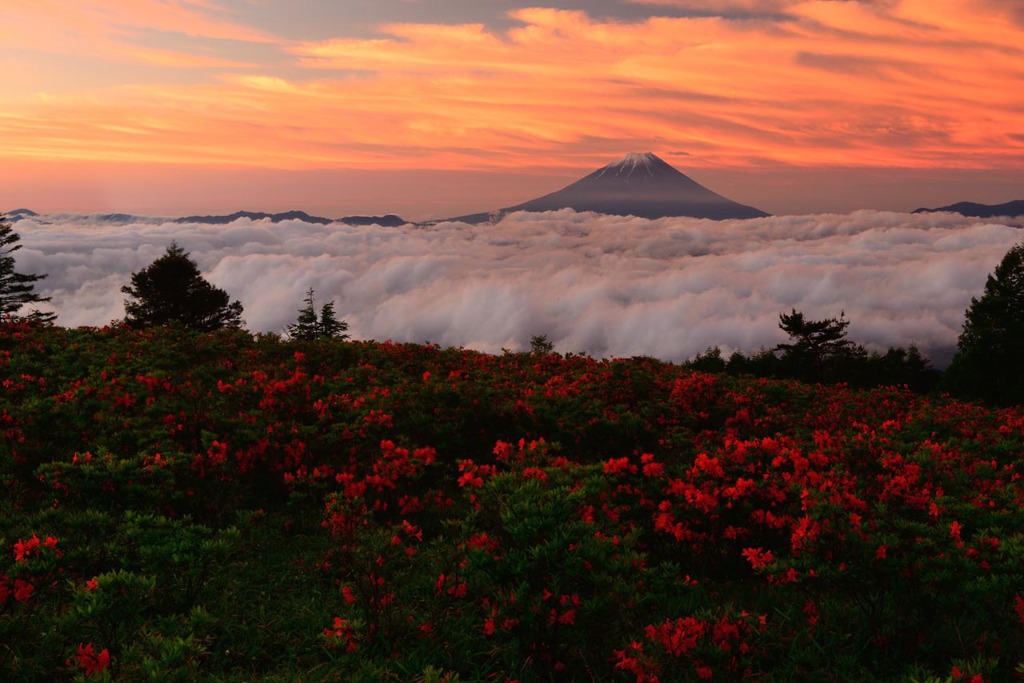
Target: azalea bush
{"type": "Point", "coordinates": [239, 507]}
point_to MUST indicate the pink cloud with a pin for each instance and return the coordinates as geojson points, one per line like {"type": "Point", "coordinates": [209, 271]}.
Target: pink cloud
{"type": "Point", "coordinates": [113, 28]}
{"type": "Point", "coordinates": [906, 83]}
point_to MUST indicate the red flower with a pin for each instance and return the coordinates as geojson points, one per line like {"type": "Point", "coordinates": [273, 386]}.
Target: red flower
{"type": "Point", "coordinates": [217, 453]}
{"type": "Point", "coordinates": [483, 543]}
{"type": "Point", "coordinates": [724, 632]}
{"type": "Point", "coordinates": [567, 617]}
{"type": "Point", "coordinates": [954, 533]}
{"type": "Point", "coordinates": [619, 466]}
{"type": "Point", "coordinates": [811, 611]}
{"type": "Point", "coordinates": [411, 530]}
{"type": "Point", "coordinates": [535, 473]}
{"type": "Point", "coordinates": [758, 557]}
{"type": "Point", "coordinates": [445, 584]}
{"type": "Point", "coordinates": [23, 549]}
{"type": "Point", "coordinates": [633, 660]}
{"type": "Point", "coordinates": [710, 466]}
{"type": "Point", "coordinates": [651, 468]}
{"type": "Point", "coordinates": [23, 590]}
{"type": "Point", "coordinates": [92, 662]}
{"type": "Point", "coordinates": [805, 531]}
{"type": "Point", "coordinates": [342, 632]}
{"type": "Point", "coordinates": [472, 472]}
{"type": "Point", "coordinates": [678, 637]}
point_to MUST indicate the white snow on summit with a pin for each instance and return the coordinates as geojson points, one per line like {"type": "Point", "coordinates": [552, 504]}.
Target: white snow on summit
{"type": "Point", "coordinates": [634, 162]}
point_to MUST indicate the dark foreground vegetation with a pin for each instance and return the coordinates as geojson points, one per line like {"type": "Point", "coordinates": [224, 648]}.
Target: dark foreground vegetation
{"type": "Point", "coordinates": [186, 506]}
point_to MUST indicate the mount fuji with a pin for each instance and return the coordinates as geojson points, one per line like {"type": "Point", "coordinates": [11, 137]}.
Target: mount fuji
{"type": "Point", "coordinates": [639, 184]}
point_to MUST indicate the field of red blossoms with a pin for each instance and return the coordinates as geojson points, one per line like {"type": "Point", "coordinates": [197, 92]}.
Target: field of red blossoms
{"type": "Point", "coordinates": [237, 507]}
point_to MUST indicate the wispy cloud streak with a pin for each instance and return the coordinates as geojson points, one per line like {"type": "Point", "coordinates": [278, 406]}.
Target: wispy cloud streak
{"type": "Point", "coordinates": [820, 83]}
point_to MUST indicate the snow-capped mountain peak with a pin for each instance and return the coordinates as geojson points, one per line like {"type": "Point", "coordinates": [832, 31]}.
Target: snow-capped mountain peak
{"type": "Point", "coordinates": [640, 184]}
{"type": "Point", "coordinates": [633, 163]}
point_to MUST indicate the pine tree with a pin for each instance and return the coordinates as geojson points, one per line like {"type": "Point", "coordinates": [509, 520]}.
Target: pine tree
{"type": "Point", "coordinates": [171, 289]}
{"type": "Point", "coordinates": [989, 360]}
{"type": "Point", "coordinates": [330, 326]}
{"type": "Point", "coordinates": [16, 289]}
{"type": "Point", "coordinates": [812, 342]}
{"type": "Point", "coordinates": [540, 345]}
{"type": "Point", "coordinates": [308, 327]}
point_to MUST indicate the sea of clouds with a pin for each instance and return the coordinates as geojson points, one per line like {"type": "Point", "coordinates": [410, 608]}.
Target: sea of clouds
{"type": "Point", "coordinates": [605, 285]}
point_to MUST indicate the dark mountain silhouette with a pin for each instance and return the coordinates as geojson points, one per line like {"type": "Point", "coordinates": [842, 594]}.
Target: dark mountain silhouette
{"type": "Point", "coordinates": [19, 214]}
{"type": "Point", "coordinates": [255, 216]}
{"type": "Point", "coordinates": [22, 214]}
{"type": "Point", "coordinates": [637, 185]}
{"type": "Point", "coordinates": [974, 210]}
{"type": "Point", "coordinates": [387, 221]}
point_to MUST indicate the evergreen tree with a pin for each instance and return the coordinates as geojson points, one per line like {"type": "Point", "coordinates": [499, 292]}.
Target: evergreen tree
{"type": "Point", "coordinates": [762, 363]}
{"type": "Point", "coordinates": [904, 366]}
{"type": "Point", "coordinates": [330, 326]}
{"type": "Point", "coordinates": [709, 360]}
{"type": "Point", "coordinates": [308, 327]}
{"type": "Point", "coordinates": [812, 342]}
{"type": "Point", "coordinates": [16, 288]}
{"type": "Point", "coordinates": [171, 289]}
{"type": "Point", "coordinates": [540, 345]}
{"type": "Point", "coordinates": [989, 360]}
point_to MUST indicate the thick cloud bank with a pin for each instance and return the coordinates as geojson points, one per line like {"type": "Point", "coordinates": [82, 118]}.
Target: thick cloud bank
{"type": "Point", "coordinates": [607, 285]}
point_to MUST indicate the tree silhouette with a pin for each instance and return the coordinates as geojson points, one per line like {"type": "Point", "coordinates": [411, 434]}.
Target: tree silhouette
{"type": "Point", "coordinates": [330, 326]}
{"type": "Point", "coordinates": [16, 289]}
{"type": "Point", "coordinates": [171, 289]}
{"type": "Point", "coordinates": [540, 345]}
{"type": "Point", "coordinates": [308, 327]}
{"type": "Point", "coordinates": [812, 342]}
{"type": "Point", "coordinates": [989, 360]}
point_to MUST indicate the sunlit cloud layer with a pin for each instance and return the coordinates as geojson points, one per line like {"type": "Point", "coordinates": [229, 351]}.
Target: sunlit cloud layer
{"type": "Point", "coordinates": [114, 27]}
{"type": "Point", "coordinates": [743, 83]}
{"type": "Point", "coordinates": [610, 286]}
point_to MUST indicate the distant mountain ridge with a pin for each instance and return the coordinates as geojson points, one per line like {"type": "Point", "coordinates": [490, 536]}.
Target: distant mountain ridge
{"type": "Point", "coordinates": [18, 214]}
{"type": "Point", "coordinates": [386, 221]}
{"type": "Point", "coordinates": [389, 220]}
{"type": "Point", "coordinates": [255, 216]}
{"type": "Point", "coordinates": [975, 210]}
{"type": "Point", "coordinates": [640, 184]}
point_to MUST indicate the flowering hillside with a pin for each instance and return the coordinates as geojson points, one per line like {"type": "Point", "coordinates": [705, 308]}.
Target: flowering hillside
{"type": "Point", "coordinates": [230, 506]}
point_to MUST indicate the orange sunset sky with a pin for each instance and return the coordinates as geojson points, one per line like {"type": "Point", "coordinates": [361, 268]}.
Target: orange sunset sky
{"type": "Point", "coordinates": [430, 108]}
